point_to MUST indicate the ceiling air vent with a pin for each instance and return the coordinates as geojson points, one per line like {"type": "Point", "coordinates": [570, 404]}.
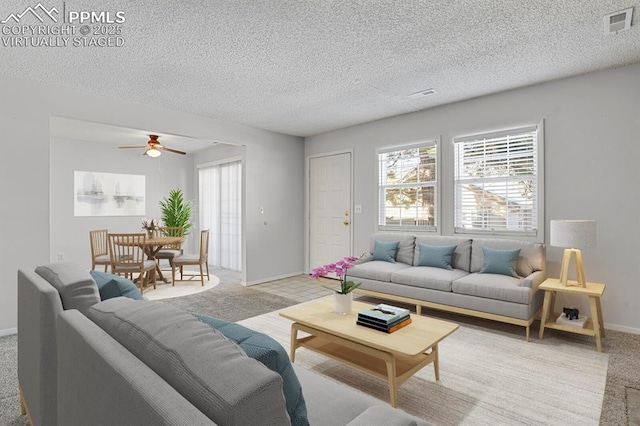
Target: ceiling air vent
{"type": "Point", "coordinates": [423, 93]}
{"type": "Point", "coordinates": [618, 21]}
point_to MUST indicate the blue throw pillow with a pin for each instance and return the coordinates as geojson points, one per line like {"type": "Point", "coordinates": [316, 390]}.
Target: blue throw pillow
{"type": "Point", "coordinates": [263, 348]}
{"type": "Point", "coordinates": [500, 261]}
{"type": "Point", "coordinates": [437, 256]}
{"type": "Point", "coordinates": [110, 285]}
{"type": "Point", "coordinates": [385, 251]}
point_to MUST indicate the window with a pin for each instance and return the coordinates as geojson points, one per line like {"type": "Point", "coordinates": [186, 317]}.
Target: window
{"type": "Point", "coordinates": [498, 182]}
{"type": "Point", "coordinates": [408, 187]}
{"type": "Point", "coordinates": [220, 190]}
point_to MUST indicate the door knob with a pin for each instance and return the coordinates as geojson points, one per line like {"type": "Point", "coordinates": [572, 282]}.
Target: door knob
{"type": "Point", "coordinates": [346, 223]}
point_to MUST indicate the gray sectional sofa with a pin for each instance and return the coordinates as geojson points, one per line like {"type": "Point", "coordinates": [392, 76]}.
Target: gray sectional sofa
{"type": "Point", "coordinates": [136, 362]}
{"type": "Point", "coordinates": [466, 287]}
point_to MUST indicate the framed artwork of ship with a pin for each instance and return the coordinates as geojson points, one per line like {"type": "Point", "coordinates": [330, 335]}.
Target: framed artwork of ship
{"type": "Point", "coordinates": [108, 194]}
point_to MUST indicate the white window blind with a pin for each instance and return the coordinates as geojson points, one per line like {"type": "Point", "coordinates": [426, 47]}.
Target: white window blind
{"type": "Point", "coordinates": [408, 187]}
{"type": "Point", "coordinates": [220, 189]}
{"type": "Point", "coordinates": [496, 182]}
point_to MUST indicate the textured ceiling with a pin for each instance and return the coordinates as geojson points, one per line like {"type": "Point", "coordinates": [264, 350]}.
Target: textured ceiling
{"type": "Point", "coordinates": [67, 128]}
{"type": "Point", "coordinates": [306, 67]}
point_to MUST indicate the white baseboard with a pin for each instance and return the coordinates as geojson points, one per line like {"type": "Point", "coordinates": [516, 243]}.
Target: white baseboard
{"type": "Point", "coordinates": [8, 332]}
{"type": "Point", "coordinates": [266, 280]}
{"type": "Point", "coordinates": [623, 328]}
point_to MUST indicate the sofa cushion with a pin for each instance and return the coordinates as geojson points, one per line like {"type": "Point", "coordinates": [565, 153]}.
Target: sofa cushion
{"type": "Point", "coordinates": [269, 352]}
{"type": "Point", "coordinates": [428, 277]}
{"type": "Point", "coordinates": [406, 244]}
{"type": "Point", "coordinates": [210, 371]}
{"type": "Point", "coordinates": [376, 270]}
{"type": "Point", "coordinates": [385, 251]}
{"type": "Point", "coordinates": [110, 285]}
{"type": "Point", "coordinates": [167, 254]}
{"type": "Point", "coordinates": [461, 258]}
{"type": "Point", "coordinates": [531, 259]}
{"type": "Point", "coordinates": [74, 284]}
{"type": "Point", "coordinates": [500, 261]}
{"type": "Point", "coordinates": [493, 286]}
{"type": "Point", "coordinates": [436, 256]}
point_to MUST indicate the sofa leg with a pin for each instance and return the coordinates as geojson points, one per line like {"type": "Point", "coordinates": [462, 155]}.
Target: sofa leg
{"type": "Point", "coordinates": [527, 332]}
{"type": "Point", "coordinates": [23, 407]}
{"type": "Point", "coordinates": [418, 310]}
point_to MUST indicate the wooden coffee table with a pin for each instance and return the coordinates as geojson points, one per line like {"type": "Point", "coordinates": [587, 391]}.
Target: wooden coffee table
{"type": "Point", "coordinates": [394, 357]}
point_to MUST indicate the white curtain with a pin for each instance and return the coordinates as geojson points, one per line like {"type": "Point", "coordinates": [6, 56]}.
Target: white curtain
{"type": "Point", "coordinates": [220, 212]}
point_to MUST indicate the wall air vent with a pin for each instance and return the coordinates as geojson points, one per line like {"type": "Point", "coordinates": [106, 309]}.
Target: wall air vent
{"type": "Point", "coordinates": [423, 93]}
{"type": "Point", "coordinates": [618, 21]}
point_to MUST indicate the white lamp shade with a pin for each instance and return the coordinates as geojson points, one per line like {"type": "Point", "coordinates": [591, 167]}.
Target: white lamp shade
{"type": "Point", "coordinates": [153, 153]}
{"type": "Point", "coordinates": [573, 233]}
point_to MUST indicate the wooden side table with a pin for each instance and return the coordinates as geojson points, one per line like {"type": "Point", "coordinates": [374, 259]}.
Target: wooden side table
{"type": "Point", "coordinates": [594, 325]}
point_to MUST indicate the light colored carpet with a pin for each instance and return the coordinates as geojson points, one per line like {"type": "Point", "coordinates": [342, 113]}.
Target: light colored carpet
{"type": "Point", "coordinates": [181, 288]}
{"type": "Point", "coordinates": [486, 377]}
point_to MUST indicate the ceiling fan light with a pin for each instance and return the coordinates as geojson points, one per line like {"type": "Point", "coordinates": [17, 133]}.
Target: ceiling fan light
{"type": "Point", "coordinates": [153, 152]}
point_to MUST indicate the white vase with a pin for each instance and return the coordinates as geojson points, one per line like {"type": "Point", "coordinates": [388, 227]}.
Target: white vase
{"type": "Point", "coordinates": [342, 303]}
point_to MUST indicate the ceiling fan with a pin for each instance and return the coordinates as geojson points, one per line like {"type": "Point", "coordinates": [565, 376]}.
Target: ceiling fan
{"type": "Point", "coordinates": [154, 147]}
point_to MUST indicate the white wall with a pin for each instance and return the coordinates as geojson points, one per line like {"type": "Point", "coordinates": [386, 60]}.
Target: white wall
{"type": "Point", "coordinates": [274, 165]}
{"type": "Point", "coordinates": [69, 234]}
{"type": "Point", "coordinates": [592, 152]}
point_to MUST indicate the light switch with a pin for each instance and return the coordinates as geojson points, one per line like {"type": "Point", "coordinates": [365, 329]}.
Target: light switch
{"type": "Point", "coordinates": [358, 208]}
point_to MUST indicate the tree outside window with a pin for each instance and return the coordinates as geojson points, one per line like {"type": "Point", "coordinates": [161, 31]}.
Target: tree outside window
{"type": "Point", "coordinates": [407, 189]}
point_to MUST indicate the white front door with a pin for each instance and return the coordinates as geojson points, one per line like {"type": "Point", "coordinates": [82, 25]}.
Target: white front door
{"type": "Point", "coordinates": [329, 209]}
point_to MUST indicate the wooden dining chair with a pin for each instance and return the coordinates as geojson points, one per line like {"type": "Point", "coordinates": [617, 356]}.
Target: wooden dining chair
{"type": "Point", "coordinates": [201, 259]}
{"type": "Point", "coordinates": [172, 250]}
{"type": "Point", "coordinates": [128, 257]}
{"type": "Point", "coordinates": [99, 249]}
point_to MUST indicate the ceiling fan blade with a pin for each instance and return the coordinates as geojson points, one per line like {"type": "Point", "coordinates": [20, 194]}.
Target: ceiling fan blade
{"type": "Point", "coordinates": [137, 146]}
{"type": "Point", "coordinates": [164, 148]}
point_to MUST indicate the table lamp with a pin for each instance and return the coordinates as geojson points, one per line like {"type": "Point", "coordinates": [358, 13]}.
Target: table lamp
{"type": "Point", "coordinates": [573, 235]}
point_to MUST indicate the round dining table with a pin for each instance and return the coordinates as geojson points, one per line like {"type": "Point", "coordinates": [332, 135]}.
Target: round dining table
{"type": "Point", "coordinates": [153, 245]}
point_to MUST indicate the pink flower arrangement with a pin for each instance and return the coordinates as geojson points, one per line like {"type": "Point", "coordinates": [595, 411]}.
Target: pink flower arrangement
{"type": "Point", "coordinates": [338, 268]}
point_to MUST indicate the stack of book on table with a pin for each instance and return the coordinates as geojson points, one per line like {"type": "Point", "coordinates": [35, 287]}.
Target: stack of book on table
{"type": "Point", "coordinates": [384, 318]}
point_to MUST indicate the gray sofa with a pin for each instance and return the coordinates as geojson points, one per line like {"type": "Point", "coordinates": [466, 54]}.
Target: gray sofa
{"type": "Point", "coordinates": [135, 362]}
{"type": "Point", "coordinates": [463, 289]}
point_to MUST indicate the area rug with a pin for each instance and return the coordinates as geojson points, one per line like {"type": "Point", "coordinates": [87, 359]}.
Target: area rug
{"type": "Point", "coordinates": [486, 377]}
{"type": "Point", "coordinates": [181, 288]}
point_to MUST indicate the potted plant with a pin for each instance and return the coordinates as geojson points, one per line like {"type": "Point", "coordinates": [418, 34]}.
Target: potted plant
{"type": "Point", "coordinates": [176, 211]}
{"type": "Point", "coordinates": [343, 295]}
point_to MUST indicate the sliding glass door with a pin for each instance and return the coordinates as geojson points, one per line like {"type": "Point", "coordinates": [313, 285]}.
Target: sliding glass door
{"type": "Point", "coordinates": [220, 188]}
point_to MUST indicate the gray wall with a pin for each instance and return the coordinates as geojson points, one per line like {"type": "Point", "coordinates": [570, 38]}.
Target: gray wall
{"type": "Point", "coordinates": [274, 165]}
{"type": "Point", "coordinates": [69, 234]}
{"type": "Point", "coordinates": [592, 152]}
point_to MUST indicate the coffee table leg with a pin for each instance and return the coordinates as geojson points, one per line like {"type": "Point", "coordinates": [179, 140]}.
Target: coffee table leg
{"type": "Point", "coordinates": [436, 361]}
{"type": "Point", "coordinates": [393, 387]}
{"type": "Point", "coordinates": [294, 341]}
